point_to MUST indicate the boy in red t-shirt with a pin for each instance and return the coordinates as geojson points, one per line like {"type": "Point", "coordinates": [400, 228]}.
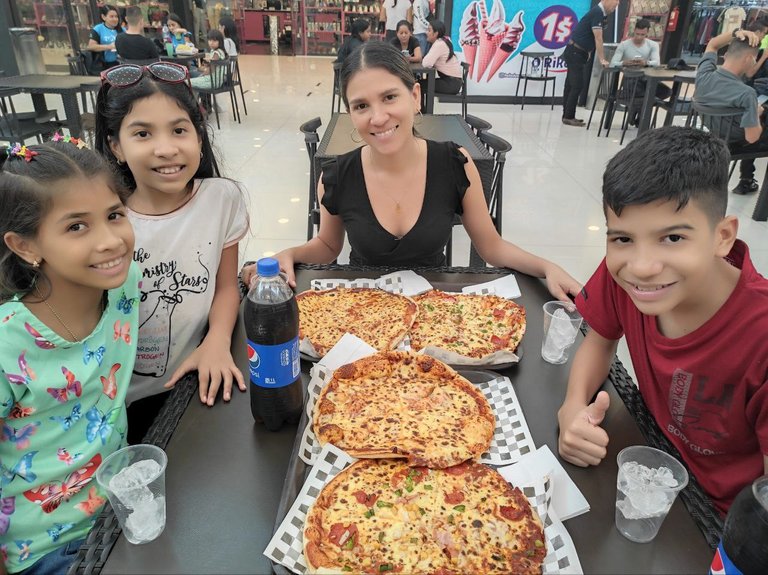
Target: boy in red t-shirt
{"type": "Point", "coordinates": [682, 289]}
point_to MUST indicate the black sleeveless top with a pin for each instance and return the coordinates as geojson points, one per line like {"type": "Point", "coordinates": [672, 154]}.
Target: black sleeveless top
{"type": "Point", "coordinates": [423, 246]}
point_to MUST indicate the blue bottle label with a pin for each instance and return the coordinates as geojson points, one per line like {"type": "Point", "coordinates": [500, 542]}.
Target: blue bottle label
{"type": "Point", "coordinates": [274, 366]}
{"type": "Point", "coordinates": [722, 564]}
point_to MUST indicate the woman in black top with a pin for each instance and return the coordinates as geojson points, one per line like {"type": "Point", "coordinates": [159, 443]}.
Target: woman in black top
{"type": "Point", "coordinates": [360, 34]}
{"type": "Point", "coordinates": [406, 43]}
{"type": "Point", "coordinates": [396, 197]}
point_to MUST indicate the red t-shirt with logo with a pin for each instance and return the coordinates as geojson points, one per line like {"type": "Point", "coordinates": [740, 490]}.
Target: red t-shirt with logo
{"type": "Point", "coordinates": [707, 390]}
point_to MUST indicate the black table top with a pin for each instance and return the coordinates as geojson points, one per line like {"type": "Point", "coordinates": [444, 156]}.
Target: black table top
{"type": "Point", "coordinates": [50, 83]}
{"type": "Point", "coordinates": [337, 138]}
{"type": "Point", "coordinates": [225, 473]}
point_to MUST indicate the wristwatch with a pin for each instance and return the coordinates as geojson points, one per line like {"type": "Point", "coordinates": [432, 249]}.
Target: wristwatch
{"type": "Point", "coordinates": [736, 31]}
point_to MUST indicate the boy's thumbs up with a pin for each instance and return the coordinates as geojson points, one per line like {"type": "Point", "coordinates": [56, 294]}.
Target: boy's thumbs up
{"type": "Point", "coordinates": [596, 410]}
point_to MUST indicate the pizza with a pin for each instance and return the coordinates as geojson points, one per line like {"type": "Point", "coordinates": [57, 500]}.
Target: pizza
{"type": "Point", "coordinates": [381, 516]}
{"type": "Point", "coordinates": [404, 405]}
{"type": "Point", "coordinates": [379, 318]}
{"type": "Point", "coordinates": [474, 326]}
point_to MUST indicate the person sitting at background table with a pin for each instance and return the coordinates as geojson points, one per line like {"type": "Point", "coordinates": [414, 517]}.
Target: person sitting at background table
{"type": "Point", "coordinates": [406, 43]}
{"type": "Point", "coordinates": [215, 52]}
{"type": "Point", "coordinates": [103, 36]}
{"type": "Point", "coordinates": [229, 30]}
{"type": "Point", "coordinates": [396, 197]}
{"type": "Point", "coordinates": [133, 45]}
{"type": "Point", "coordinates": [682, 289]}
{"type": "Point", "coordinates": [360, 33]}
{"type": "Point", "coordinates": [178, 34]}
{"type": "Point", "coordinates": [443, 60]}
{"type": "Point", "coordinates": [392, 12]}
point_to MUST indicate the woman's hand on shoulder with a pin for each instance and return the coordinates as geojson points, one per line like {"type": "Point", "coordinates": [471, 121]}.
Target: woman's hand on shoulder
{"type": "Point", "coordinates": [215, 369]}
{"type": "Point", "coordinates": [559, 282]}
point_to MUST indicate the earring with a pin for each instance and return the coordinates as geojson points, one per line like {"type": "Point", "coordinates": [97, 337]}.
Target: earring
{"type": "Point", "coordinates": [201, 154]}
{"type": "Point", "coordinates": [36, 263]}
{"type": "Point", "coordinates": [352, 136]}
{"type": "Point", "coordinates": [120, 162]}
{"type": "Point", "coordinates": [418, 116]}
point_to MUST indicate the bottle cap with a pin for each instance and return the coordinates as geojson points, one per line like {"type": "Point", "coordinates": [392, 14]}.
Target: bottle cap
{"type": "Point", "coordinates": [267, 267]}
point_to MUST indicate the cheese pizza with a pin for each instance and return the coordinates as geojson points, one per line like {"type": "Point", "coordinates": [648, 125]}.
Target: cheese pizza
{"type": "Point", "coordinates": [404, 405]}
{"type": "Point", "coordinates": [379, 318]}
{"type": "Point", "coordinates": [381, 516]}
{"type": "Point", "coordinates": [473, 326]}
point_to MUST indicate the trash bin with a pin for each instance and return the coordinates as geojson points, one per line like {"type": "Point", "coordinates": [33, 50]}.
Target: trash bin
{"type": "Point", "coordinates": [26, 50]}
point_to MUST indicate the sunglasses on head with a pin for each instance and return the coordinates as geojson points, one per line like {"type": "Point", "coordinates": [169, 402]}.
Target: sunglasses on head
{"type": "Point", "coordinates": [129, 74]}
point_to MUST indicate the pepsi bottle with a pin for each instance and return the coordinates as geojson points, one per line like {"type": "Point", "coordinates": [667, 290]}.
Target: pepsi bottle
{"type": "Point", "coordinates": [743, 550]}
{"type": "Point", "coordinates": [272, 329]}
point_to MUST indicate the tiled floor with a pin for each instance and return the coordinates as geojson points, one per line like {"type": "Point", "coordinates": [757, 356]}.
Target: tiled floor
{"type": "Point", "coordinates": [552, 198]}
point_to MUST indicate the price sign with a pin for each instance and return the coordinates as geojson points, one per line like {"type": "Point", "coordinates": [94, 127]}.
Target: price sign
{"type": "Point", "coordinates": [554, 25]}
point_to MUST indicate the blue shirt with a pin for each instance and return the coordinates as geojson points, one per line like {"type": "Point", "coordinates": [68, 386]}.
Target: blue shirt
{"type": "Point", "coordinates": [582, 34]}
{"type": "Point", "coordinates": [105, 35]}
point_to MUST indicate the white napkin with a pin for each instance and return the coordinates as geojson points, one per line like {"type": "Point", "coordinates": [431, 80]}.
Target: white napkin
{"type": "Point", "coordinates": [504, 287]}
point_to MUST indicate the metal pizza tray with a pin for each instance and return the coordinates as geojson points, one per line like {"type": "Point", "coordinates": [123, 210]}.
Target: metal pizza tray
{"type": "Point", "coordinates": [298, 470]}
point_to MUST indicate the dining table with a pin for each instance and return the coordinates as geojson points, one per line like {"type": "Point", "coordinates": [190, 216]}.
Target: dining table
{"type": "Point", "coordinates": [67, 86]}
{"type": "Point", "coordinates": [654, 76]}
{"type": "Point", "coordinates": [228, 477]}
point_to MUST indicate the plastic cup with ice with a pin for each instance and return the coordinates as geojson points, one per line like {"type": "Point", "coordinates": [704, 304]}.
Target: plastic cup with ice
{"type": "Point", "coordinates": [134, 480]}
{"type": "Point", "coordinates": [646, 487]}
{"type": "Point", "coordinates": [561, 325]}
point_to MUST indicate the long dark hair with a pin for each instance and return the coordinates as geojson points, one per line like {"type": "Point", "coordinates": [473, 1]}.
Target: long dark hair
{"type": "Point", "coordinates": [216, 35]}
{"type": "Point", "coordinates": [359, 25]}
{"type": "Point", "coordinates": [230, 30]}
{"type": "Point", "coordinates": [381, 55]}
{"type": "Point", "coordinates": [439, 27]}
{"type": "Point", "coordinates": [26, 193]}
{"type": "Point", "coordinates": [114, 104]}
{"type": "Point", "coordinates": [175, 18]}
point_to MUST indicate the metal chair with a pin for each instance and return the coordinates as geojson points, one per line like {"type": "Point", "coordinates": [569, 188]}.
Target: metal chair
{"type": "Point", "coordinates": [606, 91]}
{"type": "Point", "coordinates": [19, 127]}
{"type": "Point", "coordinates": [221, 76]}
{"type": "Point", "coordinates": [87, 119]}
{"type": "Point", "coordinates": [629, 98]}
{"type": "Point", "coordinates": [498, 147]}
{"type": "Point", "coordinates": [679, 103]}
{"type": "Point", "coordinates": [464, 88]}
{"type": "Point", "coordinates": [530, 73]}
{"type": "Point", "coordinates": [336, 92]}
{"type": "Point", "coordinates": [311, 140]}
{"type": "Point", "coordinates": [478, 125]}
{"type": "Point", "coordinates": [721, 122]}
{"type": "Point", "coordinates": [237, 81]}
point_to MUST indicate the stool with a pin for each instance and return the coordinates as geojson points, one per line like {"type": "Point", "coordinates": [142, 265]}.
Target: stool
{"type": "Point", "coordinates": [533, 73]}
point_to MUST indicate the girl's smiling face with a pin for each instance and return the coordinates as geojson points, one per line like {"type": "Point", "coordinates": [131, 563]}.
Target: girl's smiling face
{"type": "Point", "coordinates": [160, 144]}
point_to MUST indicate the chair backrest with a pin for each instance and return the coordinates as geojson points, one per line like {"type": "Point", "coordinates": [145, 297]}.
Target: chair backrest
{"type": "Point", "coordinates": [722, 122]}
{"type": "Point", "coordinates": [628, 90]}
{"type": "Point", "coordinates": [235, 68]}
{"type": "Point", "coordinates": [336, 91]}
{"type": "Point", "coordinates": [220, 72]}
{"type": "Point", "coordinates": [498, 147]}
{"type": "Point", "coordinates": [9, 124]}
{"type": "Point", "coordinates": [311, 140]}
{"type": "Point", "coordinates": [478, 125]}
{"type": "Point", "coordinates": [609, 81]}
{"type": "Point", "coordinates": [682, 95]}
{"type": "Point", "coordinates": [464, 88]}
{"type": "Point", "coordinates": [77, 65]}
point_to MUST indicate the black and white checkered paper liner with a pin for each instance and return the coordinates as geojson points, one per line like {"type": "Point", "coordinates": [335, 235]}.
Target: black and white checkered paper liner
{"type": "Point", "coordinates": [391, 283]}
{"type": "Point", "coordinates": [287, 544]}
{"type": "Point", "coordinates": [511, 439]}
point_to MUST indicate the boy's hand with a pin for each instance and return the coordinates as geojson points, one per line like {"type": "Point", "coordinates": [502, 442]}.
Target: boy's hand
{"type": "Point", "coordinates": [582, 441]}
{"type": "Point", "coordinates": [215, 368]}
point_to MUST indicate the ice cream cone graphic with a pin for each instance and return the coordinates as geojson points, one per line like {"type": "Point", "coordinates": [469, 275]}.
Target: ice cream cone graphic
{"type": "Point", "coordinates": [492, 31]}
{"type": "Point", "coordinates": [469, 35]}
{"type": "Point", "coordinates": [509, 44]}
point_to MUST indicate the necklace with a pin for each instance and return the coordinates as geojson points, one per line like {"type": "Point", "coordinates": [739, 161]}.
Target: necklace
{"type": "Point", "coordinates": [58, 317]}
{"type": "Point", "coordinates": [398, 208]}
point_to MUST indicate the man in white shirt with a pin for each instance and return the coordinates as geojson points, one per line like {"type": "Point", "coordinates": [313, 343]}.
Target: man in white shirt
{"type": "Point", "coordinates": [421, 23]}
{"type": "Point", "coordinates": [640, 51]}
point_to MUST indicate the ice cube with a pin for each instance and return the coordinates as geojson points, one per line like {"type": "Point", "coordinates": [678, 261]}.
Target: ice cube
{"type": "Point", "coordinates": [129, 484]}
{"type": "Point", "coordinates": [560, 336]}
{"type": "Point", "coordinates": [663, 477]}
{"type": "Point", "coordinates": [646, 490]}
{"type": "Point", "coordinates": [147, 520]}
